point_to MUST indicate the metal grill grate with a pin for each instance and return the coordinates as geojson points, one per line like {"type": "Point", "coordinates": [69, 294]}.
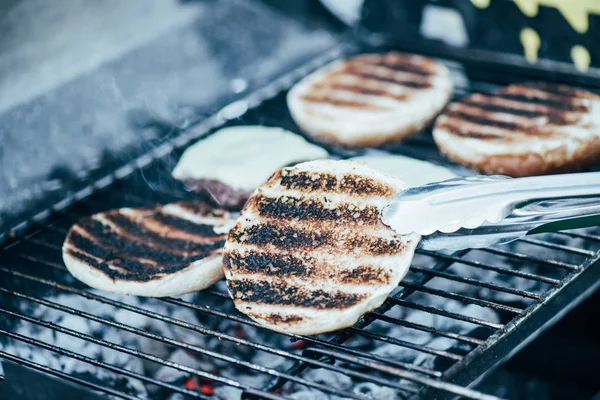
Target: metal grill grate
{"type": "Point", "coordinates": [525, 285]}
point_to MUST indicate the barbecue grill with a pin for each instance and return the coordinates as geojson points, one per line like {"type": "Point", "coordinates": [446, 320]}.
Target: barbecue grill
{"type": "Point", "coordinates": [512, 292]}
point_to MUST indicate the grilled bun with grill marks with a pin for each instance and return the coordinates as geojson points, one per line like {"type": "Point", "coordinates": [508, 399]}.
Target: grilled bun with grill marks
{"type": "Point", "coordinates": [523, 130]}
{"type": "Point", "coordinates": [370, 100]}
{"type": "Point", "coordinates": [309, 253]}
{"type": "Point", "coordinates": [164, 251]}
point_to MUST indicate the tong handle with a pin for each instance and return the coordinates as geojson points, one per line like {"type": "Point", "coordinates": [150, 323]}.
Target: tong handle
{"type": "Point", "coordinates": [497, 189]}
{"type": "Point", "coordinates": [531, 208]}
{"type": "Point", "coordinates": [470, 202]}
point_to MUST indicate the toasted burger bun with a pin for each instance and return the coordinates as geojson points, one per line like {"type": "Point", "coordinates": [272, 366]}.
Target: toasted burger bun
{"type": "Point", "coordinates": [523, 130]}
{"type": "Point", "coordinates": [370, 100]}
{"type": "Point", "coordinates": [164, 251]}
{"type": "Point", "coordinates": [309, 253]}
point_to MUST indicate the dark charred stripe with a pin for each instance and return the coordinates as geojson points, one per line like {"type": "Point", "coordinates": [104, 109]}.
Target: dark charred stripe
{"type": "Point", "coordinates": [557, 90]}
{"type": "Point", "coordinates": [341, 103]}
{"type": "Point", "coordinates": [283, 265]}
{"type": "Point", "coordinates": [496, 108]}
{"type": "Point", "coordinates": [281, 294]}
{"type": "Point", "coordinates": [183, 225]}
{"type": "Point", "coordinates": [352, 184]}
{"type": "Point", "coordinates": [127, 269]}
{"type": "Point", "coordinates": [391, 78]}
{"type": "Point", "coordinates": [309, 181]}
{"type": "Point", "coordinates": [361, 89]}
{"type": "Point", "coordinates": [374, 245]}
{"type": "Point", "coordinates": [404, 65]}
{"type": "Point", "coordinates": [364, 275]}
{"type": "Point", "coordinates": [460, 130]}
{"type": "Point", "coordinates": [287, 237]}
{"type": "Point", "coordinates": [137, 233]}
{"type": "Point", "coordinates": [309, 209]}
{"type": "Point", "coordinates": [280, 236]}
{"type": "Point", "coordinates": [267, 263]}
{"type": "Point", "coordinates": [565, 104]}
{"type": "Point", "coordinates": [486, 121]}
{"type": "Point", "coordinates": [356, 184]}
{"type": "Point", "coordinates": [108, 244]}
{"type": "Point", "coordinates": [554, 116]}
{"type": "Point", "coordinates": [276, 319]}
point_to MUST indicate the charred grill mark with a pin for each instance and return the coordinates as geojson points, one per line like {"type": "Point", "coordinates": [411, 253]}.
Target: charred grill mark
{"type": "Point", "coordinates": [356, 184]}
{"type": "Point", "coordinates": [307, 209]}
{"type": "Point", "coordinates": [280, 236]}
{"type": "Point", "coordinates": [281, 294]}
{"type": "Point", "coordinates": [553, 115]}
{"type": "Point", "coordinates": [283, 265]}
{"type": "Point", "coordinates": [276, 319]}
{"type": "Point", "coordinates": [341, 102]}
{"type": "Point", "coordinates": [267, 263]}
{"type": "Point", "coordinates": [183, 225]}
{"type": "Point", "coordinates": [558, 90]}
{"type": "Point", "coordinates": [125, 268]}
{"type": "Point", "coordinates": [351, 184]}
{"type": "Point", "coordinates": [138, 235]}
{"type": "Point", "coordinates": [108, 246]}
{"type": "Point", "coordinates": [407, 64]}
{"type": "Point", "coordinates": [365, 275]}
{"type": "Point", "coordinates": [391, 78]}
{"type": "Point", "coordinates": [488, 121]}
{"type": "Point", "coordinates": [309, 181]}
{"type": "Point", "coordinates": [287, 237]}
{"type": "Point", "coordinates": [360, 89]}
{"type": "Point", "coordinates": [375, 245]}
{"type": "Point", "coordinates": [520, 112]}
{"type": "Point", "coordinates": [461, 130]}
{"type": "Point", "coordinates": [562, 103]}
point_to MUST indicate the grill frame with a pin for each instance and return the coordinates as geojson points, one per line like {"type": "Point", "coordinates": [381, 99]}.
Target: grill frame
{"type": "Point", "coordinates": [577, 284]}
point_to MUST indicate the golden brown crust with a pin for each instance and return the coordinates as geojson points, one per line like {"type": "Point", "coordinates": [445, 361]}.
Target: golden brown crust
{"type": "Point", "coordinates": [532, 164]}
{"type": "Point", "coordinates": [529, 116]}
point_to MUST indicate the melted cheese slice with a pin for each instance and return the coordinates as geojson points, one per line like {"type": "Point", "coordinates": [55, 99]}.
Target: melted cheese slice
{"type": "Point", "coordinates": [413, 172]}
{"type": "Point", "coordinates": [244, 157]}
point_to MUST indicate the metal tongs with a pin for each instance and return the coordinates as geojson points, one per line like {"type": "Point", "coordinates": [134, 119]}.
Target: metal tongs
{"type": "Point", "coordinates": [480, 211]}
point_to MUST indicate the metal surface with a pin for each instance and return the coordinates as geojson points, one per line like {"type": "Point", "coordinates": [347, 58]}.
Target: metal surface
{"type": "Point", "coordinates": [554, 270]}
{"type": "Point", "coordinates": [481, 211]}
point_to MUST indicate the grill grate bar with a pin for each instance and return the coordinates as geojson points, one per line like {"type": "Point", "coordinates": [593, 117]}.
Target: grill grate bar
{"type": "Point", "coordinates": [403, 343]}
{"type": "Point", "coordinates": [314, 340]}
{"type": "Point", "coordinates": [43, 244]}
{"type": "Point", "coordinates": [196, 328]}
{"type": "Point", "coordinates": [444, 313]}
{"type": "Point", "coordinates": [62, 375]}
{"type": "Point", "coordinates": [429, 329]}
{"type": "Point", "coordinates": [123, 349]}
{"type": "Point", "coordinates": [475, 282]}
{"type": "Point", "coordinates": [365, 321]}
{"type": "Point", "coordinates": [587, 236]}
{"type": "Point", "coordinates": [88, 360]}
{"type": "Point", "coordinates": [403, 284]}
{"type": "Point", "coordinates": [169, 341]}
{"type": "Point", "coordinates": [532, 259]}
{"type": "Point", "coordinates": [463, 298]}
{"type": "Point", "coordinates": [464, 392]}
{"type": "Point", "coordinates": [570, 249]}
{"type": "Point", "coordinates": [502, 270]}
{"type": "Point", "coordinates": [40, 261]}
